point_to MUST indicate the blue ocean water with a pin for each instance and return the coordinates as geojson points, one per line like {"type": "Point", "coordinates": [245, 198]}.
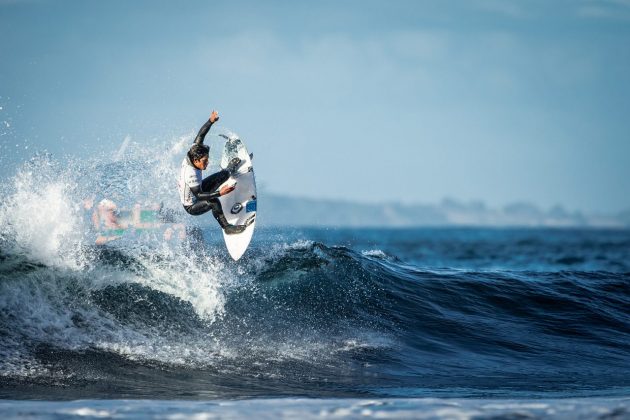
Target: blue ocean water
{"type": "Point", "coordinates": [327, 313]}
{"type": "Point", "coordinates": [440, 322]}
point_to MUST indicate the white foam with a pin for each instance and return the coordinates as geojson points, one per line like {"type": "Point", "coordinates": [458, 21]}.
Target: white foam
{"type": "Point", "coordinates": [374, 253]}
{"type": "Point", "coordinates": [318, 408]}
{"type": "Point", "coordinates": [87, 412]}
{"type": "Point", "coordinates": [40, 220]}
{"type": "Point", "coordinates": [198, 282]}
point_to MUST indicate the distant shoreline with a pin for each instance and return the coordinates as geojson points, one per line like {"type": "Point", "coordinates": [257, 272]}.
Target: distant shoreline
{"type": "Point", "coordinates": [279, 210]}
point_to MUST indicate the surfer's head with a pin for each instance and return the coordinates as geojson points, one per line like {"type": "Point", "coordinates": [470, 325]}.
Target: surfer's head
{"type": "Point", "coordinates": [198, 155]}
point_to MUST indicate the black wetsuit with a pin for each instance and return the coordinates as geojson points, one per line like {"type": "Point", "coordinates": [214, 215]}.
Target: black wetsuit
{"type": "Point", "coordinates": [206, 194]}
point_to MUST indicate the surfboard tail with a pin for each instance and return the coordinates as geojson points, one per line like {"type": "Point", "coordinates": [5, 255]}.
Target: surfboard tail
{"type": "Point", "coordinates": [238, 244]}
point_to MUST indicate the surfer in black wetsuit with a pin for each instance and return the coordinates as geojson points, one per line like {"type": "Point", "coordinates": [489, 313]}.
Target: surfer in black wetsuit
{"type": "Point", "coordinates": [198, 195]}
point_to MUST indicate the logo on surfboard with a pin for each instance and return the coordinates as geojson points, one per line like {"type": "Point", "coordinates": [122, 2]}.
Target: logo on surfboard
{"type": "Point", "coordinates": [236, 208]}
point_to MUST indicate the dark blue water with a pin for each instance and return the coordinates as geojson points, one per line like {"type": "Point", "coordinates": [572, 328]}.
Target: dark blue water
{"type": "Point", "coordinates": [451, 313]}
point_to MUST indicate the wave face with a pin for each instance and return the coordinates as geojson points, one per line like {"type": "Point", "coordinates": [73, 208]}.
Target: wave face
{"type": "Point", "coordinates": [343, 313]}
{"type": "Point", "coordinates": [306, 319]}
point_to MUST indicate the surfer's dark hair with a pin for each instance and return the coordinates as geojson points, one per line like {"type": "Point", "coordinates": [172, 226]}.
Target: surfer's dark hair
{"type": "Point", "coordinates": [198, 151]}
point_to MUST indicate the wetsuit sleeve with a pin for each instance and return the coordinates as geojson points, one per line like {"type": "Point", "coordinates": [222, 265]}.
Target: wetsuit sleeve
{"type": "Point", "coordinates": [205, 196]}
{"type": "Point", "coordinates": [202, 132]}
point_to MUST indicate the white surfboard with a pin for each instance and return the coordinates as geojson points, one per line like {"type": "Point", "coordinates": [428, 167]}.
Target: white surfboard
{"type": "Point", "coordinates": [239, 206]}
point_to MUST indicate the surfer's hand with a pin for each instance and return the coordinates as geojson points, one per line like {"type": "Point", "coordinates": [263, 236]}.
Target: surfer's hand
{"type": "Point", "coordinates": [227, 189]}
{"type": "Point", "coordinates": [214, 117]}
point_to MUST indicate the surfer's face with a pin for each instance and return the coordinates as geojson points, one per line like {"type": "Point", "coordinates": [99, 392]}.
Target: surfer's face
{"type": "Point", "coordinates": [201, 163]}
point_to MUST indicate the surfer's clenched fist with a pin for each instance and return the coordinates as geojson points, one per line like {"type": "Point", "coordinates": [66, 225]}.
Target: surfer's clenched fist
{"type": "Point", "coordinates": [214, 117]}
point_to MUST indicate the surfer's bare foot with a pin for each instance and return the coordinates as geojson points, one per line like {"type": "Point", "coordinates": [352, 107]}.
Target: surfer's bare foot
{"type": "Point", "coordinates": [233, 229]}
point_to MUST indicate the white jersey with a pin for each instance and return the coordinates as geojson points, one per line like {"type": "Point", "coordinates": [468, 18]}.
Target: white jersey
{"type": "Point", "coordinates": [189, 177]}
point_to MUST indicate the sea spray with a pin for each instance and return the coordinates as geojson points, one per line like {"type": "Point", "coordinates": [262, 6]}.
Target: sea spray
{"type": "Point", "coordinates": [53, 277]}
{"type": "Point", "coordinates": [38, 216]}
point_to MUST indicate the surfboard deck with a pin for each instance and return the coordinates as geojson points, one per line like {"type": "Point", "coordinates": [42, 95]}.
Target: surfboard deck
{"type": "Point", "coordinates": [240, 205]}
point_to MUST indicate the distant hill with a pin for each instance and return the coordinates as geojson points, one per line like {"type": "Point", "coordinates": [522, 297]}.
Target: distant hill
{"type": "Point", "coordinates": [294, 211]}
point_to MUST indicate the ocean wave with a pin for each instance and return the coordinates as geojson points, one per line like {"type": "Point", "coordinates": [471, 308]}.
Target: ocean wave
{"type": "Point", "coordinates": [310, 309]}
{"type": "Point", "coordinates": [151, 316]}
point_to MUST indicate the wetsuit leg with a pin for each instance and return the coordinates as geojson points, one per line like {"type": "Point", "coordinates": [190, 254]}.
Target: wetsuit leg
{"type": "Point", "coordinates": [213, 181]}
{"type": "Point", "coordinates": [200, 207]}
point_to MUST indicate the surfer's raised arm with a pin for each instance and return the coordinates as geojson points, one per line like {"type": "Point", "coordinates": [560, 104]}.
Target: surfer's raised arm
{"type": "Point", "coordinates": [214, 117]}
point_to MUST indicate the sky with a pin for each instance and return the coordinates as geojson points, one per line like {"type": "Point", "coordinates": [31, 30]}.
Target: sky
{"type": "Point", "coordinates": [409, 101]}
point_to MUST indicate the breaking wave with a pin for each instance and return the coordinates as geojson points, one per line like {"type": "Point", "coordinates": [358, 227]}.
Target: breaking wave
{"type": "Point", "coordinates": [151, 316]}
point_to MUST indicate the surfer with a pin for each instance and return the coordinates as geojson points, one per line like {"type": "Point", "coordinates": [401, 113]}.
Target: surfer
{"type": "Point", "coordinates": [198, 195]}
